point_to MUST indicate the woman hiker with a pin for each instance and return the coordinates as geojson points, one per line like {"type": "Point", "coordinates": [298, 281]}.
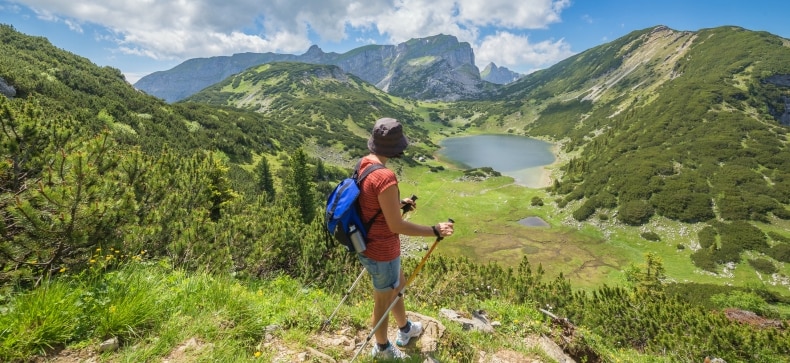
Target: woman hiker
{"type": "Point", "coordinates": [379, 192]}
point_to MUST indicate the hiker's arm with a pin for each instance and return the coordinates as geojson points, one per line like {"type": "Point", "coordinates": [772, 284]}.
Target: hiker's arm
{"type": "Point", "coordinates": [390, 207]}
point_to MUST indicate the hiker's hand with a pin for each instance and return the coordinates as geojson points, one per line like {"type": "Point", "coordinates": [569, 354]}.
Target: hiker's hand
{"type": "Point", "coordinates": [408, 204]}
{"type": "Point", "coordinates": [444, 229]}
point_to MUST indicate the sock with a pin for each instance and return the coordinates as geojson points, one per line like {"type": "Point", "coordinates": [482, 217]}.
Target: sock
{"type": "Point", "coordinates": [383, 346]}
{"type": "Point", "coordinates": [405, 329]}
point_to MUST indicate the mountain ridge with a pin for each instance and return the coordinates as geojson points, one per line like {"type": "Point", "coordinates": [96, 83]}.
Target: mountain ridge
{"type": "Point", "coordinates": [406, 69]}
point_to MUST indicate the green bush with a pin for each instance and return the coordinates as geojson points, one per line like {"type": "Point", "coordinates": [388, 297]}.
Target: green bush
{"type": "Point", "coordinates": [780, 252]}
{"type": "Point", "coordinates": [781, 212]}
{"type": "Point", "coordinates": [536, 201]}
{"type": "Point", "coordinates": [741, 300]}
{"type": "Point", "coordinates": [763, 265]}
{"type": "Point", "coordinates": [742, 235]}
{"type": "Point", "coordinates": [651, 236]}
{"type": "Point", "coordinates": [585, 211]}
{"type": "Point", "coordinates": [778, 237]}
{"type": "Point", "coordinates": [704, 259]}
{"type": "Point", "coordinates": [707, 237]}
{"type": "Point", "coordinates": [635, 212]}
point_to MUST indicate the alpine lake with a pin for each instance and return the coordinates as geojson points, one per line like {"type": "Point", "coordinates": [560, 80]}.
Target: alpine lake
{"type": "Point", "coordinates": [495, 220]}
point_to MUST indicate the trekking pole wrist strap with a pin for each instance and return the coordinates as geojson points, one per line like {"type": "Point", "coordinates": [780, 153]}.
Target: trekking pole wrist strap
{"type": "Point", "coordinates": [436, 232]}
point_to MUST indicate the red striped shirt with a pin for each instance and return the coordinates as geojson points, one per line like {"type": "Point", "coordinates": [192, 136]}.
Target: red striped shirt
{"type": "Point", "coordinates": [382, 244]}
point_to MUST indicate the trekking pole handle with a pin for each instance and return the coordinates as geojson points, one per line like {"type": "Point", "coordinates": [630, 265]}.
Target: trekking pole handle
{"type": "Point", "coordinates": [438, 236]}
{"type": "Point", "coordinates": [406, 206]}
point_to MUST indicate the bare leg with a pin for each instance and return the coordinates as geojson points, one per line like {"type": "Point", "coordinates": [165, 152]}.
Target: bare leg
{"type": "Point", "coordinates": [381, 301]}
{"type": "Point", "coordinates": [399, 310]}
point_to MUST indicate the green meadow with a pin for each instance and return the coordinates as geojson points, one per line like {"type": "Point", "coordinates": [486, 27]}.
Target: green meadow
{"type": "Point", "coordinates": [589, 254]}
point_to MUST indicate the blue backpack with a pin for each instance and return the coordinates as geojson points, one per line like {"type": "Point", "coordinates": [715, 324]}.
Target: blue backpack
{"type": "Point", "coordinates": [343, 214]}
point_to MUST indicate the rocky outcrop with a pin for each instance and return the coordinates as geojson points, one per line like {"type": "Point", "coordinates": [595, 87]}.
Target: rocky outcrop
{"type": "Point", "coordinates": [433, 68]}
{"type": "Point", "coordinates": [6, 89]}
{"type": "Point", "coordinates": [782, 80]}
{"type": "Point", "coordinates": [499, 75]}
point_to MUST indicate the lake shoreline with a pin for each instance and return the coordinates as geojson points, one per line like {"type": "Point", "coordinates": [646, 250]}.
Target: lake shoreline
{"type": "Point", "coordinates": [489, 153]}
{"type": "Point", "coordinates": [547, 171]}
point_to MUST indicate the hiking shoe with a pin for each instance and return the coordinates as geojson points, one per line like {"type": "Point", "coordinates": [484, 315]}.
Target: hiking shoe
{"type": "Point", "coordinates": [414, 331]}
{"type": "Point", "coordinates": [392, 352]}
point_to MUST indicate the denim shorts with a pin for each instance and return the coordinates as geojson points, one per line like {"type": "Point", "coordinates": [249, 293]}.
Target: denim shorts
{"type": "Point", "coordinates": [385, 275]}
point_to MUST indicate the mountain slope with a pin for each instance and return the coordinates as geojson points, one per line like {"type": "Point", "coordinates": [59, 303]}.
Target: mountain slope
{"type": "Point", "coordinates": [193, 75]}
{"type": "Point", "coordinates": [691, 126]}
{"type": "Point", "coordinates": [432, 68]}
{"type": "Point", "coordinates": [333, 108]}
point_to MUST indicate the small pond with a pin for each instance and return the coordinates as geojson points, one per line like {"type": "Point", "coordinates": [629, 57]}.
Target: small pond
{"type": "Point", "coordinates": [533, 222]}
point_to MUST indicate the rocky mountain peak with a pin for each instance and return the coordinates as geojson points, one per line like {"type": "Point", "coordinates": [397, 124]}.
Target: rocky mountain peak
{"type": "Point", "coordinates": [499, 75]}
{"type": "Point", "coordinates": [314, 51]}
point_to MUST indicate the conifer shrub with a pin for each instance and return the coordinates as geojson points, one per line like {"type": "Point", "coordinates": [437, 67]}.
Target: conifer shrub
{"type": "Point", "coordinates": [651, 236]}
{"type": "Point", "coordinates": [635, 212]}
{"type": "Point", "coordinates": [707, 237]}
{"type": "Point", "coordinates": [704, 259]}
{"type": "Point", "coordinates": [763, 265]}
{"type": "Point", "coordinates": [606, 200]}
{"type": "Point", "coordinates": [744, 235]}
{"type": "Point", "coordinates": [536, 202]}
{"type": "Point", "coordinates": [781, 212]}
{"type": "Point", "coordinates": [780, 252]}
{"type": "Point", "coordinates": [778, 237]}
{"type": "Point", "coordinates": [585, 211]}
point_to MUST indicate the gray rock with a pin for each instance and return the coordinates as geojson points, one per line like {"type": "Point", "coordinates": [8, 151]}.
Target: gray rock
{"type": "Point", "coordinates": [109, 345]}
{"type": "Point", "coordinates": [6, 89]}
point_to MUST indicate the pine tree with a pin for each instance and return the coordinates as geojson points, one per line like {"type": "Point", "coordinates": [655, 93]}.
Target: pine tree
{"type": "Point", "coordinates": [299, 186]}
{"type": "Point", "coordinates": [265, 179]}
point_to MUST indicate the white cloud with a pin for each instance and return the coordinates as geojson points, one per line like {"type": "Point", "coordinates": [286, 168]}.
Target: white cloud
{"type": "Point", "coordinates": [74, 26]}
{"type": "Point", "coordinates": [518, 54]}
{"type": "Point", "coordinates": [511, 14]}
{"type": "Point", "coordinates": [181, 29]}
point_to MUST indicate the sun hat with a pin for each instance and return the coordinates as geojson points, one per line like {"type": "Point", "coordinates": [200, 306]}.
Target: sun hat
{"type": "Point", "coordinates": [387, 138]}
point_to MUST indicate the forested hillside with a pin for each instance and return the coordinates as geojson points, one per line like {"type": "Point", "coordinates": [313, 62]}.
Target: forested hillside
{"type": "Point", "coordinates": [334, 109]}
{"type": "Point", "coordinates": [124, 217]}
{"type": "Point", "coordinates": [690, 126]}
{"type": "Point", "coordinates": [90, 163]}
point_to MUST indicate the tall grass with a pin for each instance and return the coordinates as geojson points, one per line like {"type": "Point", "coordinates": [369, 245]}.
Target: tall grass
{"type": "Point", "coordinates": [162, 307]}
{"type": "Point", "coordinates": [35, 321]}
{"type": "Point", "coordinates": [157, 311]}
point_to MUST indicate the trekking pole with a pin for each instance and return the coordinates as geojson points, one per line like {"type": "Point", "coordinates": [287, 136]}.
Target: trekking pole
{"type": "Point", "coordinates": [398, 297]}
{"type": "Point", "coordinates": [348, 292]}
{"type": "Point", "coordinates": [406, 208]}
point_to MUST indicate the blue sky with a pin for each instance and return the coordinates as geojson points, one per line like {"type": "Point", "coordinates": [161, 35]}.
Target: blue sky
{"type": "Point", "coordinates": [143, 36]}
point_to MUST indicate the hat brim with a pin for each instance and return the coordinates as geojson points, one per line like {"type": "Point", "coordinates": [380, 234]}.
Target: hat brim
{"type": "Point", "coordinates": [389, 151]}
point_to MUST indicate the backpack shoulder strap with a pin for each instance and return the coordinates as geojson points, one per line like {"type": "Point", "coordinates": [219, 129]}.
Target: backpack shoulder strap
{"type": "Point", "coordinates": [367, 171]}
{"type": "Point", "coordinates": [359, 178]}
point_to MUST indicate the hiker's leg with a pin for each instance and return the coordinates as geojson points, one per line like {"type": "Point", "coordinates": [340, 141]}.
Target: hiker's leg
{"type": "Point", "coordinates": [385, 278]}
{"type": "Point", "coordinates": [381, 301]}
{"type": "Point", "coordinates": [399, 310]}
